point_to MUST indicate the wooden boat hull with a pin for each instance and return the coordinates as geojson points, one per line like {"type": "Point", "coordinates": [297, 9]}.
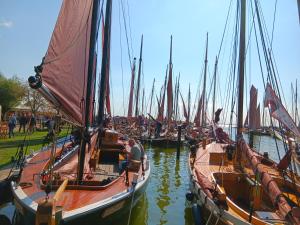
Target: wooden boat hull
{"type": "Point", "coordinates": [104, 213]}
{"type": "Point", "coordinates": [101, 204]}
{"type": "Point", "coordinates": [208, 192]}
{"type": "Point", "coordinates": [210, 210]}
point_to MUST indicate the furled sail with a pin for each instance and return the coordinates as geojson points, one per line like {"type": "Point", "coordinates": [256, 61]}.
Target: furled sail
{"type": "Point", "coordinates": [131, 90]}
{"type": "Point", "coordinates": [170, 87]}
{"type": "Point", "coordinates": [268, 183]}
{"type": "Point", "coordinates": [253, 109]}
{"type": "Point", "coordinates": [198, 113]}
{"type": "Point", "coordinates": [278, 111]}
{"type": "Point", "coordinates": [65, 66]}
{"type": "Point", "coordinates": [184, 109]}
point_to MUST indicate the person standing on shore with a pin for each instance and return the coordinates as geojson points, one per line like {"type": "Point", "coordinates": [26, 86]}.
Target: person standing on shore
{"type": "Point", "coordinates": [31, 124]}
{"type": "Point", "coordinates": [22, 121]}
{"type": "Point", "coordinates": [11, 125]}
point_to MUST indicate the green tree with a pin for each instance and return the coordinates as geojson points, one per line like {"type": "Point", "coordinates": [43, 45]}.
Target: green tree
{"type": "Point", "coordinates": [35, 101]}
{"type": "Point", "coordinates": [11, 92]}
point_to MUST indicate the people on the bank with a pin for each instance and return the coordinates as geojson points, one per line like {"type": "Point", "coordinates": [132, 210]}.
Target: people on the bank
{"type": "Point", "coordinates": [22, 122]}
{"type": "Point", "coordinates": [11, 125]}
{"type": "Point", "coordinates": [32, 124]}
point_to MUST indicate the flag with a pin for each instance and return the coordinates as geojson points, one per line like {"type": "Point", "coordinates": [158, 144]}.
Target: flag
{"type": "Point", "coordinates": [278, 111]}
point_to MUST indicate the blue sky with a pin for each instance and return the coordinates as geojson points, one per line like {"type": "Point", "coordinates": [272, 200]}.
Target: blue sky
{"type": "Point", "coordinates": [26, 28]}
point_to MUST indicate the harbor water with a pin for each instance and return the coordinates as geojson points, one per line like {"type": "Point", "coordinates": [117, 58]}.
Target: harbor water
{"type": "Point", "coordinates": [164, 201]}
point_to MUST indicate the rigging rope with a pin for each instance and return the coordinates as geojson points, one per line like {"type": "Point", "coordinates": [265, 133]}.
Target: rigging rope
{"type": "Point", "coordinates": [121, 55]}
{"type": "Point", "coordinates": [274, 16]}
{"type": "Point", "coordinates": [126, 33]}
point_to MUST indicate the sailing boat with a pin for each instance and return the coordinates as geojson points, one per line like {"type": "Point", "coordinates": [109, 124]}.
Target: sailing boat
{"type": "Point", "coordinates": [78, 179]}
{"type": "Point", "coordinates": [232, 183]}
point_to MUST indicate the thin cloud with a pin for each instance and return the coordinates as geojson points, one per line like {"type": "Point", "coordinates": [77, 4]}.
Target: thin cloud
{"type": "Point", "coordinates": [6, 24]}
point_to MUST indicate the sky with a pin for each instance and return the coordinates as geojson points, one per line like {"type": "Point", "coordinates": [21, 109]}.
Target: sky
{"type": "Point", "coordinates": [26, 28]}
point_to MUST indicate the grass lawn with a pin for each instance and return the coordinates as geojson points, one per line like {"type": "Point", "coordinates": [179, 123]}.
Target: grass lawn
{"type": "Point", "coordinates": [9, 146]}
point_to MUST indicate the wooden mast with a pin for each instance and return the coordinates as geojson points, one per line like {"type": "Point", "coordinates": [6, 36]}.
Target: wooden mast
{"type": "Point", "coordinates": [296, 102]}
{"type": "Point", "coordinates": [170, 88]}
{"type": "Point", "coordinates": [129, 114]}
{"type": "Point", "coordinates": [189, 104]}
{"type": "Point", "coordinates": [298, 1]}
{"type": "Point", "coordinates": [139, 81]}
{"type": "Point", "coordinates": [203, 120]}
{"type": "Point", "coordinates": [105, 61]}
{"type": "Point", "coordinates": [176, 97]}
{"type": "Point", "coordinates": [143, 101]}
{"type": "Point", "coordinates": [92, 55]}
{"type": "Point", "coordinates": [214, 91]}
{"type": "Point", "coordinates": [241, 68]}
{"type": "Point", "coordinates": [152, 92]}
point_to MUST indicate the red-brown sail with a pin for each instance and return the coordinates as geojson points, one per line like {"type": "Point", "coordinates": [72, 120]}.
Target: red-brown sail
{"type": "Point", "coordinates": [161, 108]}
{"type": "Point", "coordinates": [278, 111]}
{"type": "Point", "coordinates": [184, 108]}
{"type": "Point", "coordinates": [170, 88]}
{"type": "Point", "coordinates": [131, 89]}
{"type": "Point", "coordinates": [65, 66]}
{"type": "Point", "coordinates": [268, 183]}
{"type": "Point", "coordinates": [252, 108]}
{"type": "Point", "coordinates": [198, 113]}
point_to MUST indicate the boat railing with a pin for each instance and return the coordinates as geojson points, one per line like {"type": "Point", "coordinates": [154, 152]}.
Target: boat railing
{"type": "Point", "coordinates": [92, 184]}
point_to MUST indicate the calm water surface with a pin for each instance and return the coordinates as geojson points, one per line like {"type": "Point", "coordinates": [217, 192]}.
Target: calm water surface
{"type": "Point", "coordinates": [164, 201]}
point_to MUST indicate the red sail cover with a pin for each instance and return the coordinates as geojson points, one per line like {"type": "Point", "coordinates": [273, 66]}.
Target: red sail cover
{"type": "Point", "coordinates": [184, 109]}
{"type": "Point", "coordinates": [270, 186]}
{"type": "Point", "coordinates": [65, 67]}
{"type": "Point", "coordinates": [252, 108]}
{"type": "Point", "coordinates": [198, 113]}
{"type": "Point", "coordinates": [131, 91]}
{"type": "Point", "coordinates": [170, 94]}
{"type": "Point", "coordinates": [278, 111]}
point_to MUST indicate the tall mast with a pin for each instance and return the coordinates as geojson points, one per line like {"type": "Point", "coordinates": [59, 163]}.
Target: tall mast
{"type": "Point", "coordinates": [241, 68]}
{"type": "Point", "coordinates": [143, 101]}
{"type": "Point", "coordinates": [92, 55]}
{"type": "Point", "coordinates": [139, 81]}
{"type": "Point", "coordinates": [203, 122]}
{"type": "Point", "coordinates": [177, 97]}
{"type": "Point", "coordinates": [189, 103]}
{"type": "Point", "coordinates": [299, 9]}
{"type": "Point", "coordinates": [152, 92]}
{"type": "Point", "coordinates": [296, 102]}
{"type": "Point", "coordinates": [131, 89]}
{"type": "Point", "coordinates": [170, 87]}
{"type": "Point", "coordinates": [214, 92]}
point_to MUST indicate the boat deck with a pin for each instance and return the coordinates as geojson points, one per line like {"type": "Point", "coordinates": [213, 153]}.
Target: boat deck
{"type": "Point", "coordinates": [72, 199]}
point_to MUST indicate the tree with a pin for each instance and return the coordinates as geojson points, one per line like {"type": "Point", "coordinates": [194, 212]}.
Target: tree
{"type": "Point", "coordinates": [36, 101]}
{"type": "Point", "coordinates": [11, 92]}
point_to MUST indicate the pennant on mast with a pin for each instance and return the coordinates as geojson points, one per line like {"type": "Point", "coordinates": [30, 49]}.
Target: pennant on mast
{"type": "Point", "coordinates": [278, 111]}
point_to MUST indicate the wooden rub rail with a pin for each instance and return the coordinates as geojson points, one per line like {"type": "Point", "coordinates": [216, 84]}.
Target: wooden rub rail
{"type": "Point", "coordinates": [47, 212]}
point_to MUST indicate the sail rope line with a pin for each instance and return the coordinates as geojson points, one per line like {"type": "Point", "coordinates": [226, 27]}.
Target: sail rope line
{"type": "Point", "coordinates": [129, 24]}
{"type": "Point", "coordinates": [143, 85]}
{"type": "Point", "coordinates": [274, 17]}
{"type": "Point", "coordinates": [225, 27]}
{"type": "Point", "coordinates": [231, 74]}
{"type": "Point", "coordinates": [126, 33]}
{"type": "Point", "coordinates": [271, 79]}
{"type": "Point", "coordinates": [197, 97]}
{"type": "Point", "coordinates": [222, 39]}
{"type": "Point", "coordinates": [121, 55]}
